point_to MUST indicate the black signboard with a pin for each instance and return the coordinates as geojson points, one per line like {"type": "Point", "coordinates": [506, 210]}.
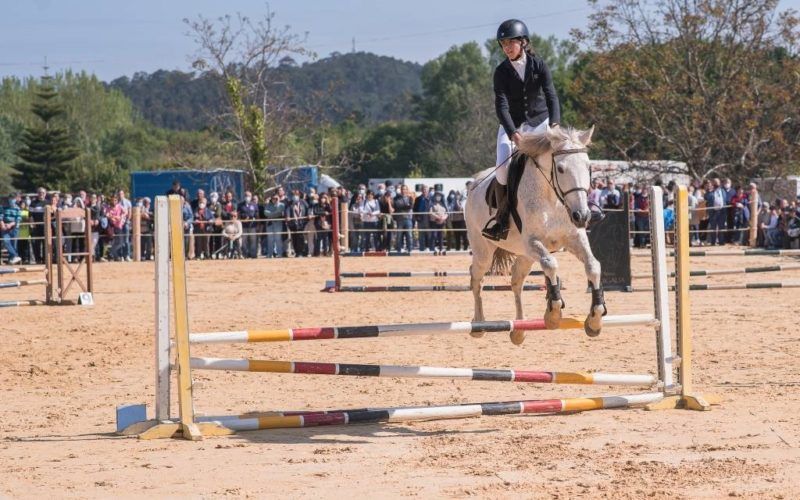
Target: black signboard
{"type": "Point", "coordinates": [610, 242]}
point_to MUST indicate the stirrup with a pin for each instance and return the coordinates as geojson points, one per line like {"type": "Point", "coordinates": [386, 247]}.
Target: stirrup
{"type": "Point", "coordinates": [496, 232]}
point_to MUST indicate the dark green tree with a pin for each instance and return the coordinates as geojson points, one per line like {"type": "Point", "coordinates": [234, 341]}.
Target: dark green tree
{"type": "Point", "coordinates": [48, 150]}
{"type": "Point", "coordinates": [389, 150]}
{"type": "Point", "coordinates": [457, 107]}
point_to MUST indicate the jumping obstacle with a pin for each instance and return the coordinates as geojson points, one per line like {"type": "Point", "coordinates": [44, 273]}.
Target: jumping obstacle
{"type": "Point", "coordinates": [435, 288]}
{"type": "Point", "coordinates": [21, 303]}
{"type": "Point", "coordinates": [284, 420]}
{"type": "Point", "coordinates": [22, 269]}
{"type": "Point", "coordinates": [409, 329]}
{"type": "Point", "coordinates": [60, 274]}
{"type": "Point", "coordinates": [731, 271]}
{"type": "Point", "coordinates": [734, 286]}
{"type": "Point", "coordinates": [16, 284]}
{"type": "Point", "coordinates": [414, 274]}
{"type": "Point", "coordinates": [416, 253]}
{"type": "Point", "coordinates": [47, 269]}
{"type": "Point", "coordinates": [335, 285]}
{"type": "Point", "coordinates": [686, 397]}
{"type": "Point", "coordinates": [361, 370]}
{"type": "Point", "coordinates": [731, 253]}
{"type": "Point", "coordinates": [669, 394]}
{"type": "Point", "coordinates": [744, 270]}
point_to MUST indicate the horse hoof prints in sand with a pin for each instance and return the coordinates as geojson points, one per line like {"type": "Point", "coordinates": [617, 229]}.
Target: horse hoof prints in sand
{"type": "Point", "coordinates": [550, 212]}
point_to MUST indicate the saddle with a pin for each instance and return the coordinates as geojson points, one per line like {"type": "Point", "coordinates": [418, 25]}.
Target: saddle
{"type": "Point", "coordinates": [515, 170]}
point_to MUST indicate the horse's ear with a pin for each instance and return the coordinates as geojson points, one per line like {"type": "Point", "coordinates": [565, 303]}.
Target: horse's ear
{"type": "Point", "coordinates": [585, 136]}
{"type": "Point", "coordinates": [553, 134]}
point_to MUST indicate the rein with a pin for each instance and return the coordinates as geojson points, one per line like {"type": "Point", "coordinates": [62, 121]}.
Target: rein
{"type": "Point", "coordinates": [514, 153]}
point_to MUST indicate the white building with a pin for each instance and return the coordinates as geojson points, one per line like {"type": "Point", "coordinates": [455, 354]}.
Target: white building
{"type": "Point", "coordinates": [641, 171]}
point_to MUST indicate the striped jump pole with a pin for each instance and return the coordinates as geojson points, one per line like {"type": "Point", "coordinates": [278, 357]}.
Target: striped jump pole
{"type": "Point", "coordinates": [695, 287]}
{"type": "Point", "coordinates": [717, 272]}
{"type": "Point", "coordinates": [731, 253]}
{"type": "Point", "coordinates": [409, 329]}
{"type": "Point", "coordinates": [389, 253]}
{"type": "Point", "coordinates": [26, 269]}
{"type": "Point", "coordinates": [362, 370]}
{"type": "Point", "coordinates": [745, 286]}
{"type": "Point", "coordinates": [416, 274]}
{"type": "Point", "coordinates": [279, 420]}
{"type": "Point", "coordinates": [15, 284]}
{"type": "Point", "coordinates": [21, 303]}
{"type": "Point", "coordinates": [436, 288]}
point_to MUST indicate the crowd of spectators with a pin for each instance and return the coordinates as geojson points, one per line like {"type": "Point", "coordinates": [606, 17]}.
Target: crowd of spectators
{"type": "Point", "coordinates": [719, 212]}
{"type": "Point", "coordinates": [398, 218]}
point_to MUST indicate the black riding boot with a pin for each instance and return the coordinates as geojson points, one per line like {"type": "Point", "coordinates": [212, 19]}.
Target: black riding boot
{"type": "Point", "coordinates": [497, 228]}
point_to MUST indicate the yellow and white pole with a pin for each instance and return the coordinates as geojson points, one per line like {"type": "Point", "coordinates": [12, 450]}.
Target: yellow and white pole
{"type": "Point", "coordinates": [181, 319]}
{"type": "Point", "coordinates": [686, 398]}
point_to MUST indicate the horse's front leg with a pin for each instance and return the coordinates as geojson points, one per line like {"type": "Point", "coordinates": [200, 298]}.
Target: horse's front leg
{"type": "Point", "coordinates": [519, 271]}
{"type": "Point", "coordinates": [552, 315]}
{"type": "Point", "coordinates": [581, 249]}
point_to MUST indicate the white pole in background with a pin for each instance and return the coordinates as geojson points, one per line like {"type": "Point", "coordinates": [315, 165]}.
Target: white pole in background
{"type": "Point", "coordinates": [661, 289]}
{"type": "Point", "coordinates": [161, 235]}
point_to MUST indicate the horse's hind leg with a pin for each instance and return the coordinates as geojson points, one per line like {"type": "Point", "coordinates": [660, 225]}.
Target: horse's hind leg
{"type": "Point", "coordinates": [581, 249]}
{"type": "Point", "coordinates": [552, 315]}
{"type": "Point", "coordinates": [519, 271]}
{"type": "Point", "coordinates": [481, 262]}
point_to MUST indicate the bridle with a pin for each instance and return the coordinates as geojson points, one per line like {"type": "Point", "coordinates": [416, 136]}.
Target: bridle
{"type": "Point", "coordinates": [553, 180]}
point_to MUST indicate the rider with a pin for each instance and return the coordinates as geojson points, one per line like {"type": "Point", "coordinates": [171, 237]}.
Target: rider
{"type": "Point", "coordinates": [525, 99]}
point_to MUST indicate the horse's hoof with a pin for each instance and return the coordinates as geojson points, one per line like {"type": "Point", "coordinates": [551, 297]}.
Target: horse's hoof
{"type": "Point", "coordinates": [552, 318]}
{"type": "Point", "coordinates": [593, 326]}
{"type": "Point", "coordinates": [590, 331]}
{"type": "Point", "coordinates": [517, 337]}
{"type": "Point", "coordinates": [477, 335]}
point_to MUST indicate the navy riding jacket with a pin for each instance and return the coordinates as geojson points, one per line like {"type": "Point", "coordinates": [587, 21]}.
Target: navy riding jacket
{"type": "Point", "coordinates": [533, 100]}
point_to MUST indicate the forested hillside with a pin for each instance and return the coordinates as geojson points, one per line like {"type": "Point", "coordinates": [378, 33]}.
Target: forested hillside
{"type": "Point", "coordinates": [360, 85]}
{"type": "Point", "coordinates": [361, 115]}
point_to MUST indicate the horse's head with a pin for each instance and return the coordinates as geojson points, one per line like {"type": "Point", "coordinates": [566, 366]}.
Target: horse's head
{"type": "Point", "coordinates": [569, 172]}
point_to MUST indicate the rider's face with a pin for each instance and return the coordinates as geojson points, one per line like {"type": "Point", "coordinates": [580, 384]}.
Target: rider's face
{"type": "Point", "coordinates": [512, 47]}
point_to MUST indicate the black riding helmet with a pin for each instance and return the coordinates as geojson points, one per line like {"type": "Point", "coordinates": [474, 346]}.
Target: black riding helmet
{"type": "Point", "coordinates": [513, 28]}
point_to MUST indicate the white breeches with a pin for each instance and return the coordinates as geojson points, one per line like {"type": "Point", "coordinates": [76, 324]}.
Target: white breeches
{"type": "Point", "coordinates": [505, 147]}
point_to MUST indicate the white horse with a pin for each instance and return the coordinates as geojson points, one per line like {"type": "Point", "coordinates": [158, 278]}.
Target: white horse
{"type": "Point", "coordinates": [552, 205]}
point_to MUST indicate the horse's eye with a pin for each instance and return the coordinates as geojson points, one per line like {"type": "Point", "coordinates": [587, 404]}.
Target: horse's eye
{"type": "Point", "coordinates": [560, 169]}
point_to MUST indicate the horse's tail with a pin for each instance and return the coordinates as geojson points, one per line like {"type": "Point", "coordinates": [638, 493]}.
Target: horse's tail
{"type": "Point", "coordinates": [501, 262]}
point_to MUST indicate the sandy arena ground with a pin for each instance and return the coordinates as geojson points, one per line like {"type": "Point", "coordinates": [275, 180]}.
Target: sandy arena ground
{"type": "Point", "coordinates": [65, 369]}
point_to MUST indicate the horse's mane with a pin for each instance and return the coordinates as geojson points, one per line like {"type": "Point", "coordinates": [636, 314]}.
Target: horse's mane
{"type": "Point", "coordinates": [539, 143]}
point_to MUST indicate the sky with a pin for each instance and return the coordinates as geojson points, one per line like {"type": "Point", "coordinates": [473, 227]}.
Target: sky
{"type": "Point", "coordinates": [113, 38]}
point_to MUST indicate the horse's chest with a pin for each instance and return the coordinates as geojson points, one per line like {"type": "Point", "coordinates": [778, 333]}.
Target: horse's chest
{"type": "Point", "coordinates": [550, 228]}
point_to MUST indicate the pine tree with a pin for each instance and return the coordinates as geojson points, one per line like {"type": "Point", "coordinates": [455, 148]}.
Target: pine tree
{"type": "Point", "coordinates": [48, 150]}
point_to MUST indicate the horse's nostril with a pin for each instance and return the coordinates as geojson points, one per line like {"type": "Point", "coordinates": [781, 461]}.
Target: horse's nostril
{"type": "Point", "coordinates": [576, 216]}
